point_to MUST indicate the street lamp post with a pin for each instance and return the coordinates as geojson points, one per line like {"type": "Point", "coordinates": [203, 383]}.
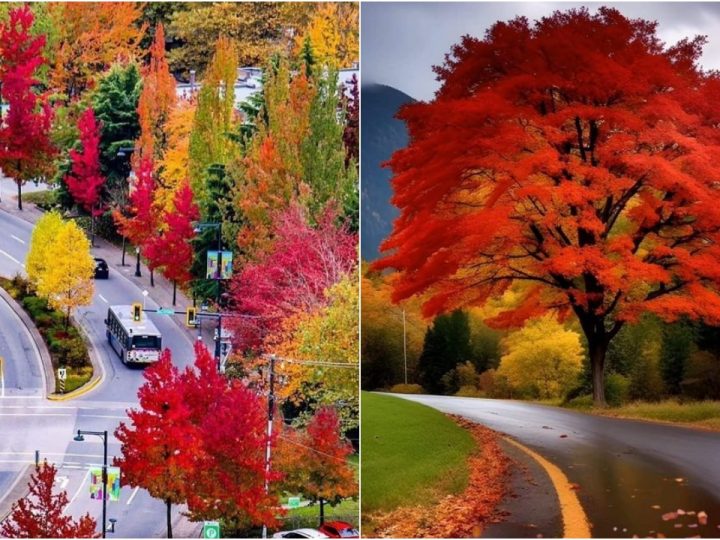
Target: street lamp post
{"type": "Point", "coordinates": [122, 152]}
{"type": "Point", "coordinates": [104, 436]}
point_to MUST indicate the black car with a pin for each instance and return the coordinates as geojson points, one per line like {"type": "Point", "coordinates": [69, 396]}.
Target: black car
{"type": "Point", "coordinates": [102, 271]}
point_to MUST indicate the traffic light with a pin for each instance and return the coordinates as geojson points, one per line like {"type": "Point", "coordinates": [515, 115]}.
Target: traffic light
{"type": "Point", "coordinates": [191, 317]}
{"type": "Point", "coordinates": [137, 312]}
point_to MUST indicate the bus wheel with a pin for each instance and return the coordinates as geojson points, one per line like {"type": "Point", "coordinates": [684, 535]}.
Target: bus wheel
{"type": "Point", "coordinates": [122, 357]}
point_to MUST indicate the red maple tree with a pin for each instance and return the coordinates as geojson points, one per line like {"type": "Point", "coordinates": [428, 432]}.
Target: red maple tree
{"type": "Point", "coordinates": [232, 418]}
{"type": "Point", "coordinates": [85, 181]}
{"type": "Point", "coordinates": [293, 275]}
{"type": "Point", "coordinates": [324, 473]}
{"type": "Point", "coordinates": [161, 446]}
{"type": "Point", "coordinates": [140, 221]}
{"type": "Point", "coordinates": [41, 514]}
{"type": "Point", "coordinates": [25, 146]}
{"type": "Point", "coordinates": [577, 158]}
{"type": "Point", "coordinates": [171, 251]}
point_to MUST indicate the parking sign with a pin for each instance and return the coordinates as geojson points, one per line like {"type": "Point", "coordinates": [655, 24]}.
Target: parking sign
{"type": "Point", "coordinates": [211, 529]}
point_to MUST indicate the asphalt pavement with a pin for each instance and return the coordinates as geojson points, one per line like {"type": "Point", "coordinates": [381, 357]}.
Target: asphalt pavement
{"type": "Point", "coordinates": [29, 422]}
{"type": "Point", "coordinates": [630, 476]}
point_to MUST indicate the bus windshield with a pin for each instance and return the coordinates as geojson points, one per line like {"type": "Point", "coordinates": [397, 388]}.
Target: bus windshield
{"type": "Point", "coordinates": [146, 342]}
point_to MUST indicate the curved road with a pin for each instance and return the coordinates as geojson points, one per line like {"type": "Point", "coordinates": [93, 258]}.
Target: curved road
{"type": "Point", "coordinates": [28, 422]}
{"type": "Point", "coordinates": [629, 473]}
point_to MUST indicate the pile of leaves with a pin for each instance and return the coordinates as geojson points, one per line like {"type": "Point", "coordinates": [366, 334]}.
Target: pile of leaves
{"type": "Point", "coordinates": [463, 515]}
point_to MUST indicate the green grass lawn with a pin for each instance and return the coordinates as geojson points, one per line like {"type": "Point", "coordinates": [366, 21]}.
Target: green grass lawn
{"type": "Point", "coordinates": [411, 454]}
{"type": "Point", "coordinates": [704, 414]}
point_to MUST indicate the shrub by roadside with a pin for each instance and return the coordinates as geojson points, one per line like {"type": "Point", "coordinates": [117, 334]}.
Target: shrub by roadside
{"type": "Point", "coordinates": [407, 389]}
{"type": "Point", "coordinates": [66, 345]}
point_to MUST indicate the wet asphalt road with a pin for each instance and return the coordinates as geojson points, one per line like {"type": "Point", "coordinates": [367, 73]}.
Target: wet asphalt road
{"type": "Point", "coordinates": [629, 473]}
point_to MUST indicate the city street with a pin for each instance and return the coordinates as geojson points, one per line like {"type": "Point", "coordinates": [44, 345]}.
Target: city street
{"type": "Point", "coordinates": [29, 422]}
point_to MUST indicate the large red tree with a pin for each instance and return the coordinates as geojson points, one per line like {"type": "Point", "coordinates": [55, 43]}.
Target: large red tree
{"type": "Point", "coordinates": [41, 514]}
{"type": "Point", "coordinates": [25, 146]}
{"type": "Point", "coordinates": [578, 155]}
{"type": "Point", "coordinates": [85, 181]}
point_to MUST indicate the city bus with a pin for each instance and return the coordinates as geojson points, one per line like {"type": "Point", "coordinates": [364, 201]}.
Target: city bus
{"type": "Point", "coordinates": [135, 342]}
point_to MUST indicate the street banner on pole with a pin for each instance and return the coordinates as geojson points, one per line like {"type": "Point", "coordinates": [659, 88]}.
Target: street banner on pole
{"type": "Point", "coordinates": [113, 487]}
{"type": "Point", "coordinates": [212, 263]}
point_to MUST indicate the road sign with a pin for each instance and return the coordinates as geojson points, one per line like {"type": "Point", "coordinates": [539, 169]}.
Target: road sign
{"type": "Point", "coordinates": [211, 529]}
{"type": "Point", "coordinates": [165, 311]}
{"type": "Point", "coordinates": [293, 502]}
{"type": "Point", "coordinates": [62, 374]}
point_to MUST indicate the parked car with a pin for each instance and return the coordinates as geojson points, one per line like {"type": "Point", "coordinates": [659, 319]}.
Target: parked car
{"type": "Point", "coordinates": [339, 529]}
{"type": "Point", "coordinates": [102, 270]}
{"type": "Point", "coordinates": [300, 533]}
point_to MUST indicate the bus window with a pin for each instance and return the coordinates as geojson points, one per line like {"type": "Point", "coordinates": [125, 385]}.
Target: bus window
{"type": "Point", "coordinates": [146, 342]}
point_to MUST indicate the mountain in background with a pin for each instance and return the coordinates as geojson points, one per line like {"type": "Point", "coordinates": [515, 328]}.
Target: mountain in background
{"type": "Point", "coordinates": [381, 134]}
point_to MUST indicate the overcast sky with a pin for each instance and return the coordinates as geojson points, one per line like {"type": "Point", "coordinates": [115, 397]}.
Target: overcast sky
{"type": "Point", "coordinates": [401, 41]}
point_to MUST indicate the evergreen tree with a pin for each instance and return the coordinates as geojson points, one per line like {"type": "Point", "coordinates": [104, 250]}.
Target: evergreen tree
{"type": "Point", "coordinates": [447, 343]}
{"type": "Point", "coordinates": [307, 56]}
{"type": "Point", "coordinates": [677, 346]}
{"type": "Point", "coordinates": [115, 104]}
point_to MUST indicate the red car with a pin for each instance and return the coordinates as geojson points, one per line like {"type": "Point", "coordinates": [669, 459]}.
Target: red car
{"type": "Point", "coordinates": [339, 529]}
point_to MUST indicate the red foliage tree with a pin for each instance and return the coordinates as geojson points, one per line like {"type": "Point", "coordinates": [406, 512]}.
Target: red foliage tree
{"type": "Point", "coordinates": [41, 514]}
{"type": "Point", "coordinates": [233, 422]}
{"type": "Point", "coordinates": [25, 145]}
{"type": "Point", "coordinates": [293, 275]}
{"type": "Point", "coordinates": [172, 251]}
{"type": "Point", "coordinates": [84, 181]}
{"type": "Point", "coordinates": [199, 439]}
{"type": "Point", "coordinates": [326, 473]}
{"type": "Point", "coordinates": [161, 446]}
{"type": "Point", "coordinates": [141, 221]}
{"type": "Point", "coordinates": [579, 156]}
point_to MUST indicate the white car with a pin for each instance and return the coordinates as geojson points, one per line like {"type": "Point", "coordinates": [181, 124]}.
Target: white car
{"type": "Point", "coordinates": [300, 533]}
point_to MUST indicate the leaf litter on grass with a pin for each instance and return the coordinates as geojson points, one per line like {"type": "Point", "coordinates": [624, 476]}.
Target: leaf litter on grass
{"type": "Point", "coordinates": [456, 516]}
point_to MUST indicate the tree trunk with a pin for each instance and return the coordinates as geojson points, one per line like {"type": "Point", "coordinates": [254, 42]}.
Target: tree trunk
{"type": "Point", "coordinates": [152, 277]}
{"type": "Point", "coordinates": [322, 511]}
{"type": "Point", "coordinates": [19, 185]}
{"type": "Point", "coordinates": [168, 504]}
{"type": "Point", "coordinates": [174, 292]}
{"type": "Point", "coordinates": [598, 348]}
{"type": "Point", "coordinates": [92, 227]}
{"type": "Point", "coordinates": [122, 263]}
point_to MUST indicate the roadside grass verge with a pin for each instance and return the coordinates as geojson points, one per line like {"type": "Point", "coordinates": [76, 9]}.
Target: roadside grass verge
{"type": "Point", "coordinates": [411, 455]}
{"type": "Point", "coordinates": [704, 414]}
{"type": "Point", "coordinates": [43, 199]}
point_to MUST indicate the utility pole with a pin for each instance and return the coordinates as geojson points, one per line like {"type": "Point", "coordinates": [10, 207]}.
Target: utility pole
{"type": "Point", "coordinates": [405, 346]}
{"type": "Point", "coordinates": [268, 446]}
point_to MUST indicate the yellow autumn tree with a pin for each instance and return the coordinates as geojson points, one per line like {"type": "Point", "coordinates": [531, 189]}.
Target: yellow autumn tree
{"type": "Point", "coordinates": [543, 356]}
{"type": "Point", "coordinates": [67, 279]}
{"type": "Point", "coordinates": [174, 165]}
{"type": "Point", "coordinates": [330, 337]}
{"type": "Point", "coordinates": [333, 33]}
{"type": "Point", "coordinates": [43, 236]}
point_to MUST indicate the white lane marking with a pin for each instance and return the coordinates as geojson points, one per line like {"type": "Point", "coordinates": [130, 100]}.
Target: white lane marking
{"type": "Point", "coordinates": [50, 454]}
{"type": "Point", "coordinates": [82, 483]}
{"type": "Point", "coordinates": [18, 239]}
{"type": "Point", "coordinates": [62, 480]}
{"type": "Point", "coordinates": [103, 298]}
{"type": "Point", "coordinates": [23, 397]}
{"type": "Point", "coordinates": [60, 414]}
{"type": "Point", "coordinates": [13, 259]}
{"type": "Point", "coordinates": [130, 500]}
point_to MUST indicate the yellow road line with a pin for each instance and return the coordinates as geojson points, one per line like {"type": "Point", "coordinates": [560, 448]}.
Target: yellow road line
{"type": "Point", "coordinates": [575, 521]}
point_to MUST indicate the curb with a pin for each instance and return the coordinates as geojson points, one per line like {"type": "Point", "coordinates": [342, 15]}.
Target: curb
{"type": "Point", "coordinates": [97, 366]}
{"type": "Point", "coordinates": [47, 372]}
{"type": "Point", "coordinates": [18, 490]}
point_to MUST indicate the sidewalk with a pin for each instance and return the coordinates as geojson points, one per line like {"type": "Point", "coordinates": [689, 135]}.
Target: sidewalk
{"type": "Point", "coordinates": [161, 293]}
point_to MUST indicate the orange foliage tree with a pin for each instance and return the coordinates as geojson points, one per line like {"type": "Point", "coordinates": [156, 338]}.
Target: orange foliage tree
{"type": "Point", "coordinates": [93, 35]}
{"type": "Point", "coordinates": [578, 154]}
{"type": "Point", "coordinates": [155, 103]}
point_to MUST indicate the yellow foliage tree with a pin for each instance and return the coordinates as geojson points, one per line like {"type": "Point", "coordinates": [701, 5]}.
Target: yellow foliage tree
{"type": "Point", "coordinates": [333, 33]}
{"type": "Point", "coordinates": [174, 166]}
{"type": "Point", "coordinates": [67, 278]}
{"type": "Point", "coordinates": [43, 236]}
{"type": "Point", "coordinates": [542, 355]}
{"type": "Point", "coordinates": [328, 336]}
